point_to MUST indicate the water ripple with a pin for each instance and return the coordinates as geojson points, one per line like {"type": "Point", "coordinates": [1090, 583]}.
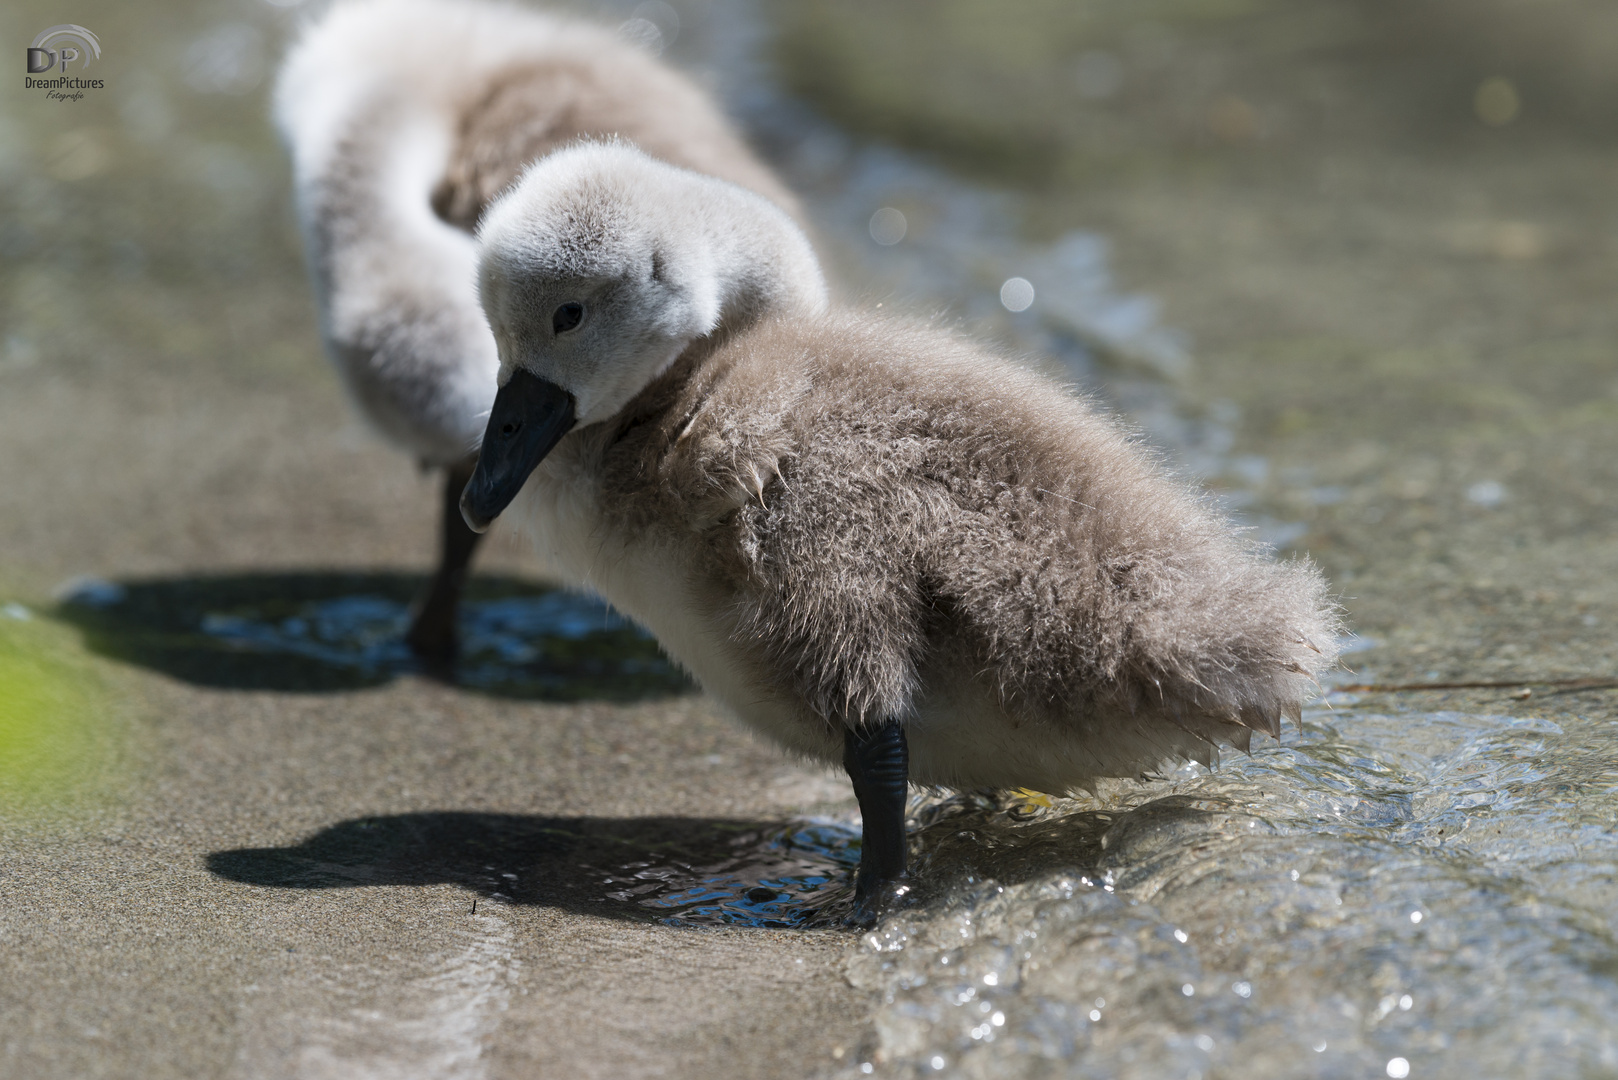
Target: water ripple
{"type": "Point", "coordinates": [1432, 887]}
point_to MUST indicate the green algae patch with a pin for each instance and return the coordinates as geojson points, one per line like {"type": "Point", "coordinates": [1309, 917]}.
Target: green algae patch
{"type": "Point", "coordinates": [58, 738]}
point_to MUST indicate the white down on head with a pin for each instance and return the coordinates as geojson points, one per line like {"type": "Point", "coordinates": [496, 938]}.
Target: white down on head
{"type": "Point", "coordinates": [656, 256]}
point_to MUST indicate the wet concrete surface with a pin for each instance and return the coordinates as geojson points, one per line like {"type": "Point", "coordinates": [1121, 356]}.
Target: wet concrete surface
{"type": "Point", "coordinates": [141, 936]}
{"type": "Point", "coordinates": [167, 423]}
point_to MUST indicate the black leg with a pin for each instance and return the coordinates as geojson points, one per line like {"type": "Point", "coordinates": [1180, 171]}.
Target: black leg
{"type": "Point", "coordinates": [878, 761]}
{"type": "Point", "coordinates": [432, 634]}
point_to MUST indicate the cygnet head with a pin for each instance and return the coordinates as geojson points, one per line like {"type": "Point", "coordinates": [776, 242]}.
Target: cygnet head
{"type": "Point", "coordinates": [599, 267]}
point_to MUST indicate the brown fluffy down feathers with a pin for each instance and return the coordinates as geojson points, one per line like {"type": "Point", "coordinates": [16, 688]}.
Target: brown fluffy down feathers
{"type": "Point", "coordinates": [530, 109]}
{"type": "Point", "coordinates": [882, 507]}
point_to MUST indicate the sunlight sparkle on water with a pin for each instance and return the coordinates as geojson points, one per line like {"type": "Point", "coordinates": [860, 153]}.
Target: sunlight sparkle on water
{"type": "Point", "coordinates": [1017, 294]}
{"type": "Point", "coordinates": [888, 226]}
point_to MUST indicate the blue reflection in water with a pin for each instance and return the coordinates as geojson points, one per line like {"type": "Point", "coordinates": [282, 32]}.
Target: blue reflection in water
{"type": "Point", "coordinates": [351, 631]}
{"type": "Point", "coordinates": [795, 879]}
{"type": "Point", "coordinates": [552, 643]}
{"type": "Point", "coordinates": [328, 631]}
{"type": "Point", "coordinates": [368, 631]}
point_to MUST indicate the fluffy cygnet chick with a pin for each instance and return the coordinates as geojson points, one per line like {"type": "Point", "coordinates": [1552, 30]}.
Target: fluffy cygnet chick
{"type": "Point", "coordinates": [874, 541]}
{"type": "Point", "coordinates": [404, 118]}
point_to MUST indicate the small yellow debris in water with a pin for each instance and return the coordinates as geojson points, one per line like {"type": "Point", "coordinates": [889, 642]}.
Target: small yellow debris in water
{"type": "Point", "coordinates": [1035, 798]}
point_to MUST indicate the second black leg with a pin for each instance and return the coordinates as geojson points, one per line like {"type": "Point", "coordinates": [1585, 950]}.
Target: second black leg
{"type": "Point", "coordinates": [878, 762]}
{"type": "Point", "coordinates": [432, 635]}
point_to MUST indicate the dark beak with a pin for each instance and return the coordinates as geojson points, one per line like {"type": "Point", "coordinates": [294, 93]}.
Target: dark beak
{"type": "Point", "coordinates": [529, 418]}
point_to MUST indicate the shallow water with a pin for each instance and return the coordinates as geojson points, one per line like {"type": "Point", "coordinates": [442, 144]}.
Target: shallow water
{"type": "Point", "coordinates": [1435, 888]}
{"type": "Point", "coordinates": [331, 631]}
{"type": "Point", "coordinates": [792, 878]}
{"type": "Point", "coordinates": [674, 871]}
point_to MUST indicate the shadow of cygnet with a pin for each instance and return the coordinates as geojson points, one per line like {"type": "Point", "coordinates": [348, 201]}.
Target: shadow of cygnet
{"type": "Point", "coordinates": [679, 871]}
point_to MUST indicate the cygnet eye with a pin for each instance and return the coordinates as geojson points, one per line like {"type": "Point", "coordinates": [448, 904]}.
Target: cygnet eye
{"type": "Point", "coordinates": [567, 317]}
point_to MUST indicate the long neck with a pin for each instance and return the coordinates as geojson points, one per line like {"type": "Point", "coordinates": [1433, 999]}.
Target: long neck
{"type": "Point", "coordinates": [395, 284]}
{"type": "Point", "coordinates": [760, 261]}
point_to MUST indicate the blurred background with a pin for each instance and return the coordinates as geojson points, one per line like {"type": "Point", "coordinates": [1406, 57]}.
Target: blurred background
{"type": "Point", "coordinates": [1366, 247]}
{"type": "Point", "coordinates": [1349, 263]}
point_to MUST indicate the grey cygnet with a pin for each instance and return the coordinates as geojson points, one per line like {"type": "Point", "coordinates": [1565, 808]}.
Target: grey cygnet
{"type": "Point", "coordinates": [874, 541]}
{"type": "Point", "coordinates": [404, 119]}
